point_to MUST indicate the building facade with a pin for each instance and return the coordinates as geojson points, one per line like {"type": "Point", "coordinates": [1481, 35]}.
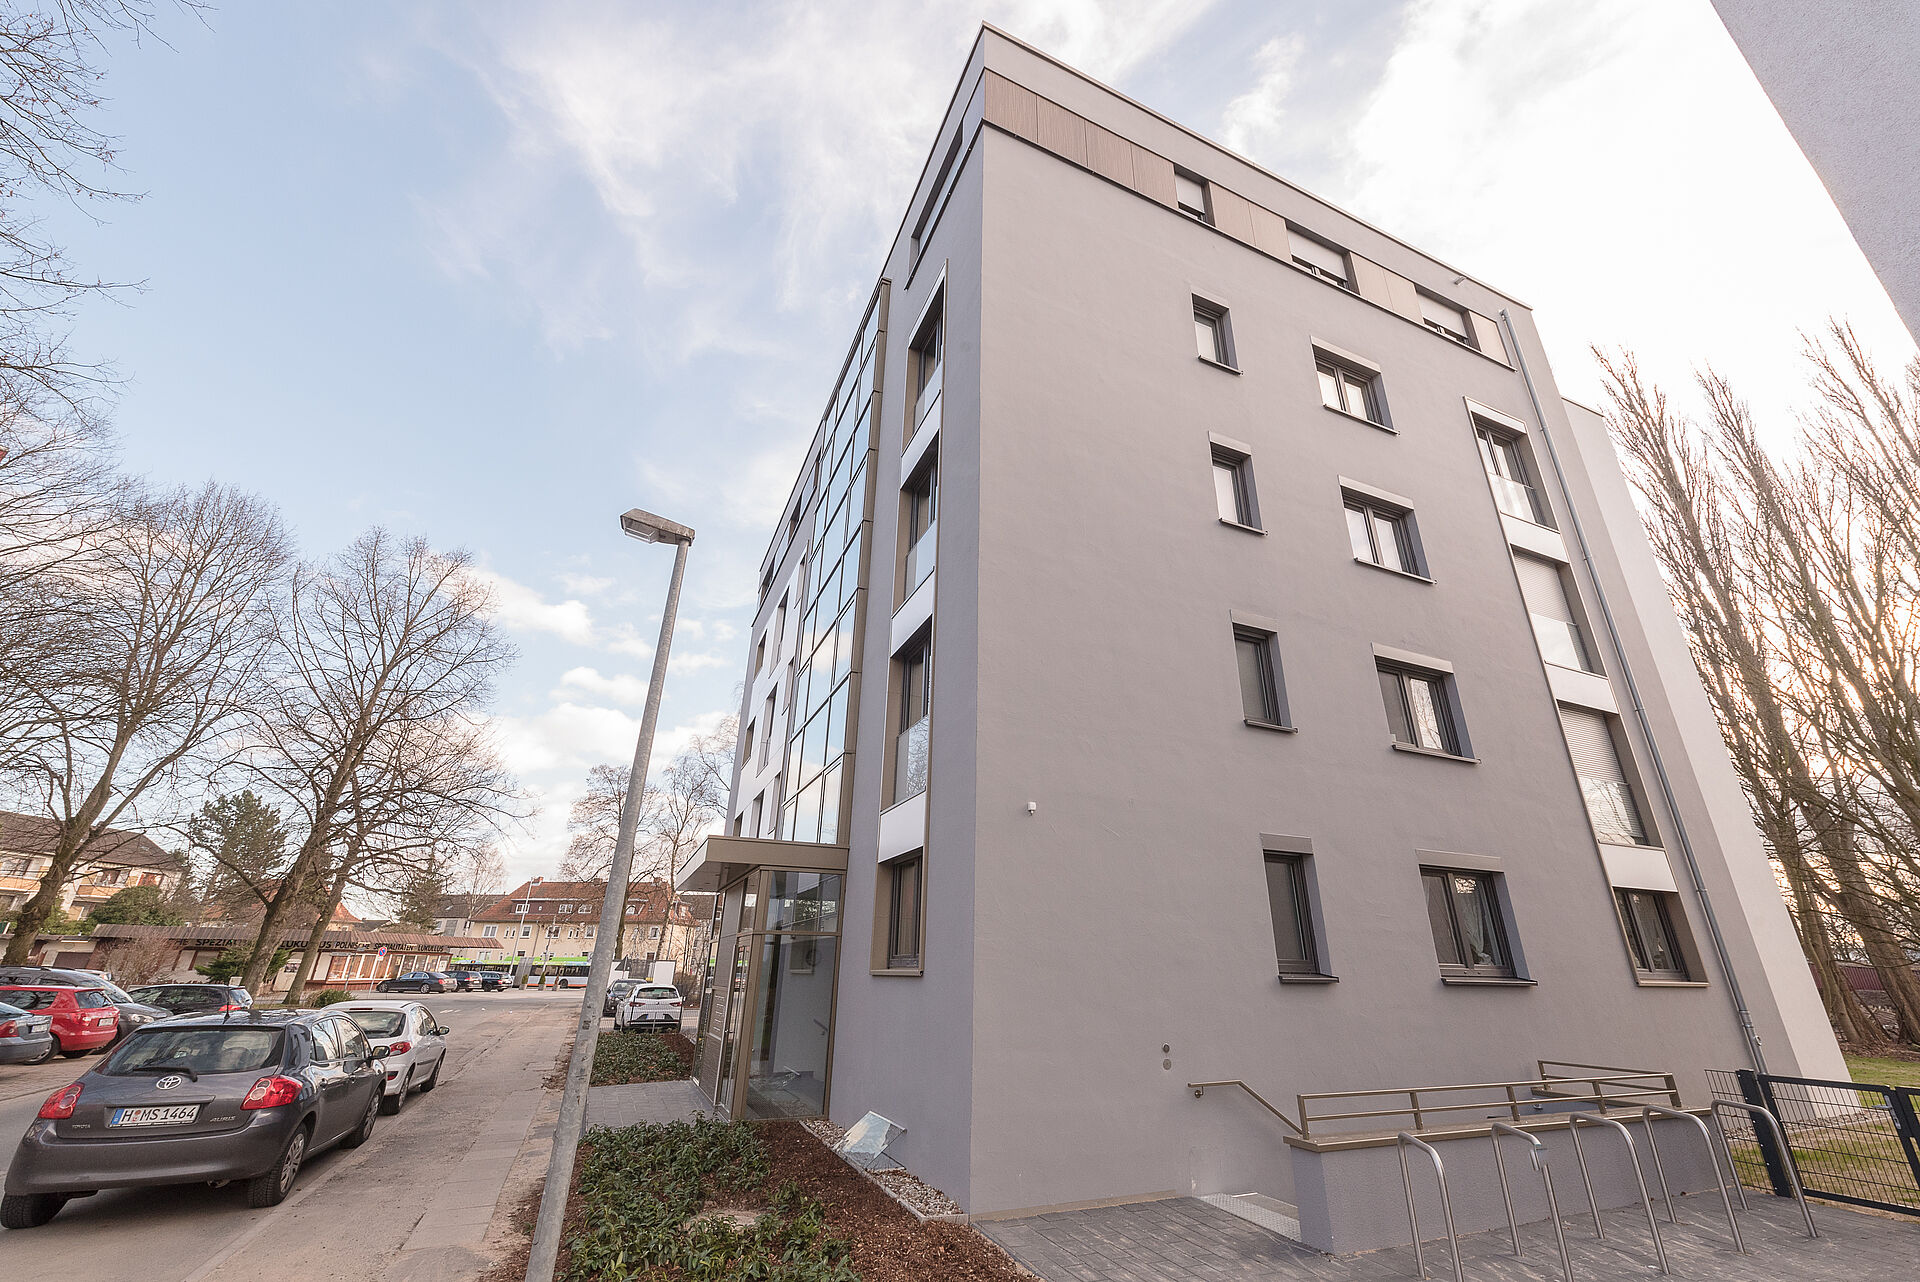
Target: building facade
{"type": "Point", "coordinates": [112, 861]}
{"type": "Point", "coordinates": [556, 921]}
{"type": "Point", "coordinates": [1201, 644]}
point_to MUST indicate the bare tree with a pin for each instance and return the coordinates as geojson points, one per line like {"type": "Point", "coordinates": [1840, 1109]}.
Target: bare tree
{"type": "Point", "coordinates": [176, 613]}
{"type": "Point", "coordinates": [385, 639]}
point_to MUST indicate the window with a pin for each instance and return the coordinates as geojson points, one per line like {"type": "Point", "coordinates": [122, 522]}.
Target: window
{"type": "Point", "coordinates": [916, 697]}
{"type": "Point", "coordinates": [924, 362]}
{"type": "Point", "coordinates": [1507, 473]}
{"type": "Point", "coordinates": [1417, 709]}
{"type": "Point", "coordinates": [1320, 258]}
{"type": "Point", "coordinates": [489, 931]}
{"type": "Point", "coordinates": [740, 824]}
{"type": "Point", "coordinates": [766, 740]}
{"type": "Point", "coordinates": [1191, 193]}
{"type": "Point", "coordinates": [903, 915]}
{"type": "Point", "coordinates": [1544, 589]}
{"type": "Point", "coordinates": [1444, 318]}
{"type": "Point", "coordinates": [1260, 700]}
{"type": "Point", "coordinates": [1463, 908]}
{"type": "Point", "coordinates": [779, 629]}
{"type": "Point", "coordinates": [1293, 941]}
{"type": "Point", "coordinates": [566, 908]}
{"type": "Point", "coordinates": [759, 805]}
{"type": "Point", "coordinates": [653, 932]}
{"type": "Point", "coordinates": [1382, 535]}
{"type": "Point", "coordinates": [1233, 487]}
{"type": "Point", "coordinates": [524, 932]}
{"type": "Point", "coordinates": [922, 500]}
{"type": "Point", "coordinates": [1350, 391]}
{"type": "Point", "coordinates": [1603, 780]}
{"type": "Point", "coordinates": [1210, 333]}
{"type": "Point", "coordinates": [760, 655]}
{"type": "Point", "coordinates": [1650, 935]}
{"type": "Point", "coordinates": [746, 743]}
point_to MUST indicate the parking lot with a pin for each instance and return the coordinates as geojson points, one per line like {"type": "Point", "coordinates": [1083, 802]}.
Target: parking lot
{"type": "Point", "coordinates": [392, 1208]}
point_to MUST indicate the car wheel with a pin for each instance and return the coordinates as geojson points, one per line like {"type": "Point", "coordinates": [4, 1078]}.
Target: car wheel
{"type": "Point", "coordinates": [364, 1131]}
{"type": "Point", "coordinates": [271, 1186]}
{"type": "Point", "coordinates": [29, 1210]}
{"type": "Point", "coordinates": [392, 1104]}
{"type": "Point", "coordinates": [433, 1078]}
{"type": "Point", "coordinates": [45, 1055]}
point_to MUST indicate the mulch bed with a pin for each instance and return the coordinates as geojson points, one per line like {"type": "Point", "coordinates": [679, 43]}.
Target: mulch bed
{"type": "Point", "coordinates": [621, 1058]}
{"type": "Point", "coordinates": [889, 1244]}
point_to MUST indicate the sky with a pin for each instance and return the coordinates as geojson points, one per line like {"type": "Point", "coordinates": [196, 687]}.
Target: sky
{"type": "Point", "coordinates": [496, 272]}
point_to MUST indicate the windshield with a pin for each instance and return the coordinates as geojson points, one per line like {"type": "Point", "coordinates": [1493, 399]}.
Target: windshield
{"type": "Point", "coordinates": [379, 1023]}
{"type": "Point", "coordinates": [114, 992]}
{"type": "Point", "coordinates": [201, 1049]}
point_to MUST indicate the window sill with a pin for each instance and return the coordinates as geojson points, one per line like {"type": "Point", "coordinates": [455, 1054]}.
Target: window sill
{"type": "Point", "coordinates": [1250, 529]}
{"type": "Point", "coordinates": [1489, 981]}
{"type": "Point", "coordinates": [1309, 979]}
{"type": "Point", "coordinates": [1208, 360]}
{"type": "Point", "coordinates": [1387, 569]}
{"type": "Point", "coordinates": [896, 974]}
{"type": "Point", "coordinates": [1418, 751]}
{"type": "Point", "coordinates": [1360, 418]}
{"type": "Point", "coordinates": [1270, 725]}
{"type": "Point", "coordinates": [1646, 981]}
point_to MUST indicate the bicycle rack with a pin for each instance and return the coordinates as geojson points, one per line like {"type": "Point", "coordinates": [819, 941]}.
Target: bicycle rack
{"type": "Point", "coordinates": [1574, 1121]}
{"type": "Point", "coordinates": [1650, 1111]}
{"type": "Point", "coordinates": [1537, 1152]}
{"type": "Point", "coordinates": [1786, 1154]}
{"type": "Point", "coordinates": [1403, 1139]}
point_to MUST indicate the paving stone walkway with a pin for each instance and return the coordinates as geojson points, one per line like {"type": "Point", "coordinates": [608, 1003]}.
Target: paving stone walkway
{"type": "Point", "coordinates": [1186, 1240]}
{"type": "Point", "coordinates": [644, 1102]}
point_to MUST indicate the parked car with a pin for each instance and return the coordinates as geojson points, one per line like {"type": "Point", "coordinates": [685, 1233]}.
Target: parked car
{"type": "Point", "coordinates": [83, 1018]}
{"type": "Point", "coordinates": [485, 981]}
{"type": "Point", "coordinates": [651, 1006]}
{"type": "Point", "coordinates": [242, 1097]}
{"type": "Point", "coordinates": [616, 993]}
{"type": "Point", "coordinates": [25, 1037]}
{"type": "Point", "coordinates": [415, 981]}
{"type": "Point", "coordinates": [410, 1042]}
{"type": "Point", "coordinates": [193, 999]}
{"type": "Point", "coordinates": [133, 1014]}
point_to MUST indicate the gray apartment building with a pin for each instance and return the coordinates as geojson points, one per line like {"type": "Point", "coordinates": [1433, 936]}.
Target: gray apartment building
{"type": "Point", "coordinates": [1202, 645]}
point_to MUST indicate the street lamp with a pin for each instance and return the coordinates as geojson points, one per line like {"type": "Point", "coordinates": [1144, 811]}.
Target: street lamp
{"type": "Point", "coordinates": [648, 528]}
{"type": "Point", "coordinates": [525, 964]}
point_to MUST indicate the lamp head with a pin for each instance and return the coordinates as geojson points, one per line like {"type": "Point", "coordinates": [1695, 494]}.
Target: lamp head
{"type": "Point", "coordinates": [649, 528]}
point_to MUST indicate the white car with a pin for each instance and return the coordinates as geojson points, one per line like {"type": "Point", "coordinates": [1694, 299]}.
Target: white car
{"type": "Point", "coordinates": [650, 1006]}
{"type": "Point", "coordinates": [416, 1043]}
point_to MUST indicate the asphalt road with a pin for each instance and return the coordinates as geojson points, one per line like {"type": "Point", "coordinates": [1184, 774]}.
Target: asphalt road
{"type": "Point", "coordinates": [350, 1211]}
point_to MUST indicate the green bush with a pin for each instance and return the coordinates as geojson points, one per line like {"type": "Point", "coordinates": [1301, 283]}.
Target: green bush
{"type": "Point", "coordinates": [232, 961]}
{"type": "Point", "coordinates": [328, 996]}
{"type": "Point", "coordinates": [641, 1184]}
{"type": "Point", "coordinates": [638, 1057]}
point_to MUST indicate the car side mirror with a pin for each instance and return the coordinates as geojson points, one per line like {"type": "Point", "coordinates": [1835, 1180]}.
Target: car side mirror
{"type": "Point", "coordinates": [380, 1052]}
{"type": "Point", "coordinates": [441, 1031]}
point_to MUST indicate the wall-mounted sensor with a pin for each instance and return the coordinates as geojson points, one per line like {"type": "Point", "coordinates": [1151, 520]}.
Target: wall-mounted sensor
{"type": "Point", "coordinates": [1033, 807]}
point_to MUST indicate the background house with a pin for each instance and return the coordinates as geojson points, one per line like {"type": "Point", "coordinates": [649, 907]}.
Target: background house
{"type": "Point", "coordinates": [112, 861]}
{"type": "Point", "coordinates": [545, 920]}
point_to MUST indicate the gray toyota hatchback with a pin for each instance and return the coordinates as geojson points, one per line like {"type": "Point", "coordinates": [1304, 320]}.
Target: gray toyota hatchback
{"type": "Point", "coordinates": [243, 1095]}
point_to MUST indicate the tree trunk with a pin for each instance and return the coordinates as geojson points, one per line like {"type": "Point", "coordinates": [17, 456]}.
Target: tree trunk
{"type": "Point", "coordinates": [35, 913]}
{"type": "Point", "coordinates": [315, 938]}
{"type": "Point", "coordinates": [292, 887]}
{"type": "Point", "coordinates": [1851, 1019]}
{"type": "Point", "coordinates": [1865, 914]}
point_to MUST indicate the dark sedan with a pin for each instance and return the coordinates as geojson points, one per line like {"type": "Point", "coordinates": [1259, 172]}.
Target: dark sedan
{"type": "Point", "coordinates": [244, 1095]}
{"type": "Point", "coordinates": [416, 981]}
{"type": "Point", "coordinates": [26, 1037]}
{"type": "Point", "coordinates": [194, 999]}
{"type": "Point", "coordinates": [133, 1014]}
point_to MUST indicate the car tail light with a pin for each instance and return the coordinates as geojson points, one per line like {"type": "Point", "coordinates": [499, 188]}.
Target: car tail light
{"type": "Point", "coordinates": [399, 1048]}
{"type": "Point", "coordinates": [61, 1103]}
{"type": "Point", "coordinates": [233, 1006]}
{"type": "Point", "coordinates": [8, 1029]}
{"type": "Point", "coordinates": [272, 1092]}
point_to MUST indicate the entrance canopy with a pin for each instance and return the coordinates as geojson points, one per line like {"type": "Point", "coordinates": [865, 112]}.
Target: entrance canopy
{"type": "Point", "coordinates": [721, 861]}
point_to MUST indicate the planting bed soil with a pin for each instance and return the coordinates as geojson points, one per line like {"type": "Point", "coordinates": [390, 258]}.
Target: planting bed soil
{"type": "Point", "coordinates": [620, 1058]}
{"type": "Point", "coordinates": [671, 1203]}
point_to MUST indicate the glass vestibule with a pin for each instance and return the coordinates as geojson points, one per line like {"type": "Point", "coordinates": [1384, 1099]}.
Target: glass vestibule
{"type": "Point", "coordinates": [766, 1031]}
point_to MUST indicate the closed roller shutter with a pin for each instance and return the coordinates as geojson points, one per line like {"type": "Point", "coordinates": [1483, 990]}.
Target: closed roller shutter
{"type": "Point", "coordinates": [1591, 743]}
{"type": "Point", "coordinates": [1543, 589]}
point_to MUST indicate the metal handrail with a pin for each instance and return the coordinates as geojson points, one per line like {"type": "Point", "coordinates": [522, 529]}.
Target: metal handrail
{"type": "Point", "coordinates": [1647, 1114]}
{"type": "Point", "coordinates": [1786, 1155]}
{"type": "Point", "coordinates": [1200, 1088]}
{"type": "Point", "coordinates": [1633, 1157]}
{"type": "Point", "coordinates": [1537, 1152]}
{"type": "Point", "coordinates": [1402, 1140]}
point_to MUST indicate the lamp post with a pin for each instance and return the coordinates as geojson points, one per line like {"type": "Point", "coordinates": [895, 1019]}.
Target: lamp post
{"type": "Point", "coordinates": [648, 528]}
{"type": "Point", "coordinates": [525, 963]}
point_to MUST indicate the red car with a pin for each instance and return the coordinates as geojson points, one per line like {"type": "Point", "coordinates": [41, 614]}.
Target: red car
{"type": "Point", "coordinates": [84, 1019]}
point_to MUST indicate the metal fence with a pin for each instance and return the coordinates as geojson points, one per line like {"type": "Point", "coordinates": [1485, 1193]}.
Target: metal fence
{"type": "Point", "coordinates": [1856, 1142]}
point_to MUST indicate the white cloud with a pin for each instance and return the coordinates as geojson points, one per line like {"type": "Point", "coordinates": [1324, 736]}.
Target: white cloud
{"type": "Point", "coordinates": [567, 737]}
{"type": "Point", "coordinates": [621, 688]}
{"type": "Point", "coordinates": [1255, 121]}
{"type": "Point", "coordinates": [585, 584]}
{"type": "Point", "coordinates": [1617, 167]}
{"type": "Point", "coordinates": [520, 608]}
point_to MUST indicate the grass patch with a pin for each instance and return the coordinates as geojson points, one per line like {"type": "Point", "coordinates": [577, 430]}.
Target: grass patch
{"type": "Point", "coordinates": [1885, 1072]}
{"type": "Point", "coordinates": [639, 1187]}
{"type": "Point", "coordinates": [620, 1058]}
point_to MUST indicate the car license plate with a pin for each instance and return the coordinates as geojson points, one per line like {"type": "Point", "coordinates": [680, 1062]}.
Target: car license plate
{"type": "Point", "coordinates": [168, 1115]}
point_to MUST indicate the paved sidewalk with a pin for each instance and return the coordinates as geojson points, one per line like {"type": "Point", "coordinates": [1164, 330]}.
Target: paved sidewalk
{"type": "Point", "coordinates": [1186, 1240]}
{"type": "Point", "coordinates": [645, 1102]}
